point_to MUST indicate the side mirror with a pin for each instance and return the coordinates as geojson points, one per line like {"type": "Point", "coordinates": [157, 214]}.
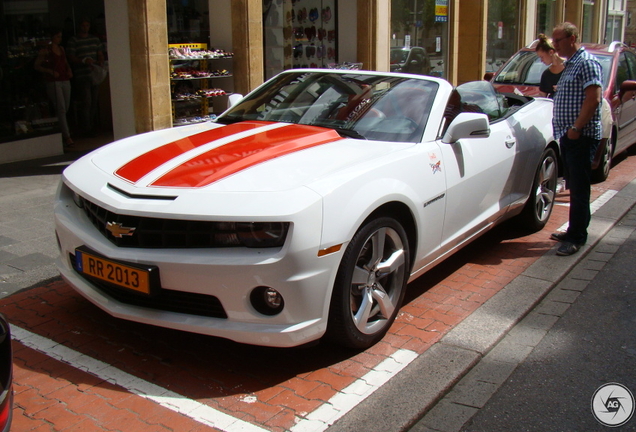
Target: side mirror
{"type": "Point", "coordinates": [233, 99]}
{"type": "Point", "coordinates": [627, 86]}
{"type": "Point", "coordinates": [488, 76]}
{"type": "Point", "coordinates": [467, 125]}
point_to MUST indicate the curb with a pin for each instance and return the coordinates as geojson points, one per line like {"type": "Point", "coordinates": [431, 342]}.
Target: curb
{"type": "Point", "coordinates": [408, 397]}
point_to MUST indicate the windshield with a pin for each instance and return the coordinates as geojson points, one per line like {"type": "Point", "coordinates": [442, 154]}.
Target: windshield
{"type": "Point", "coordinates": [526, 68]}
{"type": "Point", "coordinates": [399, 55]}
{"type": "Point", "coordinates": [362, 106]}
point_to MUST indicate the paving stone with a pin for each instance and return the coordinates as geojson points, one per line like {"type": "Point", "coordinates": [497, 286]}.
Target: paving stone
{"type": "Point", "coordinates": [446, 417]}
{"type": "Point", "coordinates": [472, 393]}
{"type": "Point", "coordinates": [539, 321]}
{"type": "Point", "coordinates": [31, 261]}
{"type": "Point", "coordinates": [563, 296]}
{"type": "Point", "coordinates": [491, 371]}
{"type": "Point", "coordinates": [553, 308]}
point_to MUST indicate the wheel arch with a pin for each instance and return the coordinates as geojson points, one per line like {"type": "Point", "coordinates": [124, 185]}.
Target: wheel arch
{"type": "Point", "coordinates": [403, 214]}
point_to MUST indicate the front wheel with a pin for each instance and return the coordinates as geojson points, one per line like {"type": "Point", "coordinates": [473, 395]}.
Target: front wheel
{"type": "Point", "coordinates": [541, 200]}
{"type": "Point", "coordinates": [601, 172]}
{"type": "Point", "coordinates": [370, 284]}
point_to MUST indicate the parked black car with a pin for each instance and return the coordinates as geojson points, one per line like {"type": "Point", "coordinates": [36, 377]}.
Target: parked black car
{"type": "Point", "coordinates": [412, 60]}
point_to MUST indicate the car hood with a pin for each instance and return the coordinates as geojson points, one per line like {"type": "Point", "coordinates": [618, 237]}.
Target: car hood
{"type": "Point", "coordinates": [243, 157]}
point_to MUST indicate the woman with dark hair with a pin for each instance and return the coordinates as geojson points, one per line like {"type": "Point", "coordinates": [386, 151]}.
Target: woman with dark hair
{"type": "Point", "coordinates": [52, 62]}
{"type": "Point", "coordinates": [550, 77]}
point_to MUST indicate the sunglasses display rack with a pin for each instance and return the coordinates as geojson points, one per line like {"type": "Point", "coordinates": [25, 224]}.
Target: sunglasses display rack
{"type": "Point", "coordinates": [199, 80]}
{"type": "Point", "coordinates": [299, 34]}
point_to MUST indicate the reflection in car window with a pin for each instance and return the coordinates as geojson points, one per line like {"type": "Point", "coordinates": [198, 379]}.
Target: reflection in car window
{"type": "Point", "coordinates": [606, 65]}
{"type": "Point", "coordinates": [622, 71]}
{"type": "Point", "coordinates": [524, 68]}
{"type": "Point", "coordinates": [631, 63]}
{"type": "Point", "coordinates": [475, 96]}
{"type": "Point", "coordinates": [399, 55]}
{"type": "Point", "coordinates": [366, 106]}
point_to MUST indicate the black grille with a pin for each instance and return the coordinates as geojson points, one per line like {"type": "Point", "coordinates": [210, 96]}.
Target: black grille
{"type": "Point", "coordinates": [153, 232]}
{"type": "Point", "coordinates": [162, 299]}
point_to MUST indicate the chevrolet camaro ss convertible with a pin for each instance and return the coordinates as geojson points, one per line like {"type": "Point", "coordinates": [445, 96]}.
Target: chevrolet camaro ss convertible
{"type": "Point", "coordinates": [303, 210]}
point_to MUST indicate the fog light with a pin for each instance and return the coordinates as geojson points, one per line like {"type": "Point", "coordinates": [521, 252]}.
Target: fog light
{"type": "Point", "coordinates": [267, 300]}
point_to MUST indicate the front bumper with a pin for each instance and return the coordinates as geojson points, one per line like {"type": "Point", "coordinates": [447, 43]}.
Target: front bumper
{"type": "Point", "coordinates": [303, 279]}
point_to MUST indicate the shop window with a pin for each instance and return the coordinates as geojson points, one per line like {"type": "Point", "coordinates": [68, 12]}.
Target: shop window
{"type": "Point", "coordinates": [419, 36]}
{"type": "Point", "coordinates": [188, 21]}
{"type": "Point", "coordinates": [587, 29]}
{"type": "Point", "coordinates": [546, 16]}
{"type": "Point", "coordinates": [503, 32]}
{"type": "Point", "coordinates": [299, 35]}
{"type": "Point", "coordinates": [24, 109]}
{"type": "Point", "coordinates": [614, 28]}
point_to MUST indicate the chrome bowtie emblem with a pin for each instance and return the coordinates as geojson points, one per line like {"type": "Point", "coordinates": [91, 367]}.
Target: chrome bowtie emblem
{"type": "Point", "coordinates": [118, 231]}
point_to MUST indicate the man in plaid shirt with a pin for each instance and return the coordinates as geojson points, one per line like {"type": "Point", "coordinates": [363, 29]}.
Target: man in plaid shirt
{"type": "Point", "coordinates": [577, 125]}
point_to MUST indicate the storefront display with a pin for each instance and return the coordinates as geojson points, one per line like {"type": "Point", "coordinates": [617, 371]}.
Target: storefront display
{"type": "Point", "coordinates": [299, 33]}
{"type": "Point", "coordinates": [24, 108]}
{"type": "Point", "coordinates": [198, 79]}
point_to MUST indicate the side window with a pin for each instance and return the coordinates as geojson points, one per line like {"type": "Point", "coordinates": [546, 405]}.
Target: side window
{"type": "Point", "coordinates": [631, 65]}
{"type": "Point", "coordinates": [480, 96]}
{"type": "Point", "coordinates": [475, 96]}
{"type": "Point", "coordinates": [622, 71]}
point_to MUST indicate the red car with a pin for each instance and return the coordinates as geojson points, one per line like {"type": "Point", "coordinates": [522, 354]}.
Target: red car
{"type": "Point", "coordinates": [6, 376]}
{"type": "Point", "coordinates": [523, 73]}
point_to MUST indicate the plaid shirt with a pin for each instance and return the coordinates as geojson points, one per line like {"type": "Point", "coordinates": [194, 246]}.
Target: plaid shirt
{"type": "Point", "coordinates": [581, 71]}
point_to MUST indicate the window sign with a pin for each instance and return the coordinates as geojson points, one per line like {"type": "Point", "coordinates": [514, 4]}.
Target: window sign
{"type": "Point", "coordinates": [441, 10]}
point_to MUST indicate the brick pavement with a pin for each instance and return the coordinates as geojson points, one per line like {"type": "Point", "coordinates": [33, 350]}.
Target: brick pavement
{"type": "Point", "coordinates": [273, 389]}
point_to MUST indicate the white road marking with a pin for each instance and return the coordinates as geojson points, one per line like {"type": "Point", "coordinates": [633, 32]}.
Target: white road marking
{"type": "Point", "coordinates": [319, 420]}
{"type": "Point", "coordinates": [595, 205]}
{"type": "Point", "coordinates": [346, 399]}
{"type": "Point", "coordinates": [166, 398]}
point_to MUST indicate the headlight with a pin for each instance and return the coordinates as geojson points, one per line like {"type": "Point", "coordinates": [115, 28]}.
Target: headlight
{"type": "Point", "coordinates": [78, 200]}
{"type": "Point", "coordinates": [262, 234]}
{"type": "Point", "coordinates": [251, 234]}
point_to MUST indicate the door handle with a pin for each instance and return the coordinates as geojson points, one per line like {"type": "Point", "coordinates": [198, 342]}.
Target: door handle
{"type": "Point", "coordinates": [510, 143]}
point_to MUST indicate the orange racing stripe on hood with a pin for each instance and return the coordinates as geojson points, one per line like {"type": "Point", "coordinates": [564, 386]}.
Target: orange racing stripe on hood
{"type": "Point", "coordinates": [142, 165]}
{"type": "Point", "coordinates": [244, 153]}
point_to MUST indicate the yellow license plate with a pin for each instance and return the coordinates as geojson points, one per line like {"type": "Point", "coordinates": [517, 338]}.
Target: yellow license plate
{"type": "Point", "coordinates": [122, 275]}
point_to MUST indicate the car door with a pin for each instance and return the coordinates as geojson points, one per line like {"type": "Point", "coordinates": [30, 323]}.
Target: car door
{"type": "Point", "coordinates": [626, 116]}
{"type": "Point", "coordinates": [478, 171]}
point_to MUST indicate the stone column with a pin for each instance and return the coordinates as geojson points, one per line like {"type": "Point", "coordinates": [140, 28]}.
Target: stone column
{"type": "Point", "coordinates": [247, 43]}
{"type": "Point", "coordinates": [149, 64]}
{"type": "Point", "coordinates": [471, 31]}
{"type": "Point", "coordinates": [374, 28]}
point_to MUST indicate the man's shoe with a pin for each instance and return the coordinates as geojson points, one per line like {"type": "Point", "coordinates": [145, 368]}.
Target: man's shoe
{"type": "Point", "coordinates": [568, 248]}
{"type": "Point", "coordinates": [559, 236]}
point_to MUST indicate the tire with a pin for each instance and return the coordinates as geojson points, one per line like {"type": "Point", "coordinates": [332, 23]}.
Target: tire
{"type": "Point", "coordinates": [370, 284]}
{"type": "Point", "coordinates": [541, 200]}
{"type": "Point", "coordinates": [601, 173]}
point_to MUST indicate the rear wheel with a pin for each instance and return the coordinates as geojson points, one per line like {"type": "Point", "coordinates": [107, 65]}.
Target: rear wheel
{"type": "Point", "coordinates": [541, 200]}
{"type": "Point", "coordinates": [370, 284]}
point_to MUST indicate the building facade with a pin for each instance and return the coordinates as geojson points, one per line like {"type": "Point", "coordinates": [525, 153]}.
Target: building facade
{"type": "Point", "coordinates": [174, 62]}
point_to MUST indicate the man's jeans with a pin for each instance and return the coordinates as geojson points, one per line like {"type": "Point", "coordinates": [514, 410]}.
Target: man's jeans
{"type": "Point", "coordinates": [577, 161]}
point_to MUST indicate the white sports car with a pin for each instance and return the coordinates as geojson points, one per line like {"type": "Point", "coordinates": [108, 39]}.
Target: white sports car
{"type": "Point", "coordinates": [305, 209]}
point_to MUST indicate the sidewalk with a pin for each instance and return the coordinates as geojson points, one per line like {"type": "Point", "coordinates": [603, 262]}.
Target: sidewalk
{"type": "Point", "coordinates": [580, 337]}
{"type": "Point", "coordinates": [443, 388]}
{"type": "Point", "coordinates": [27, 235]}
